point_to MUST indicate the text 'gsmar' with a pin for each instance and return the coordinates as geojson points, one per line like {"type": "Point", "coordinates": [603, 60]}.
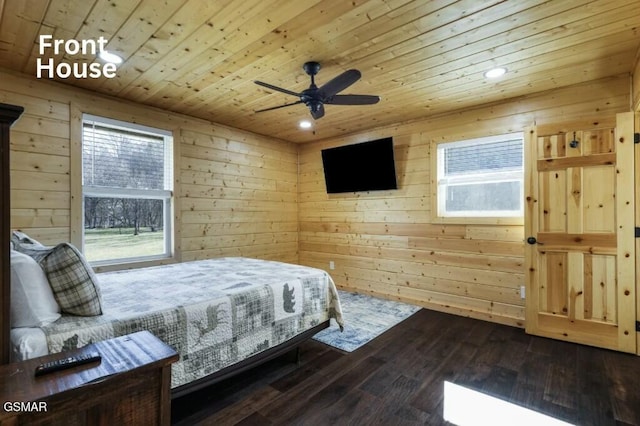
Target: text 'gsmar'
{"type": "Point", "coordinates": [25, 407]}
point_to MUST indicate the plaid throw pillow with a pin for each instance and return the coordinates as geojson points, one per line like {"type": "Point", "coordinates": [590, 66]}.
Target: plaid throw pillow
{"type": "Point", "coordinates": [74, 284]}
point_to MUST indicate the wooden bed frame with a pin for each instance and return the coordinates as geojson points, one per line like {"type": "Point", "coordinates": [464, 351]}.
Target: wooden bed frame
{"type": "Point", "coordinates": [248, 363]}
{"type": "Point", "coordinates": [8, 115]}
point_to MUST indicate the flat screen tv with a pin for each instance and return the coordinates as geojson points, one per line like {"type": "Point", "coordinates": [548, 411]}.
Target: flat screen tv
{"type": "Point", "coordinates": [366, 166]}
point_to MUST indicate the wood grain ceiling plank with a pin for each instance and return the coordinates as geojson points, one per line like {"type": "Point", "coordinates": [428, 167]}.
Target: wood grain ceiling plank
{"type": "Point", "coordinates": [524, 72]}
{"type": "Point", "coordinates": [471, 67]}
{"type": "Point", "coordinates": [291, 60]}
{"type": "Point", "coordinates": [313, 44]}
{"type": "Point", "coordinates": [446, 30]}
{"type": "Point", "coordinates": [155, 56]}
{"type": "Point", "coordinates": [266, 58]}
{"type": "Point", "coordinates": [536, 78]}
{"type": "Point", "coordinates": [465, 96]}
{"type": "Point", "coordinates": [464, 49]}
{"type": "Point", "coordinates": [362, 16]}
{"type": "Point", "coordinates": [182, 22]}
{"type": "Point", "coordinates": [31, 63]}
{"type": "Point", "coordinates": [249, 32]}
{"type": "Point", "coordinates": [352, 64]}
{"type": "Point", "coordinates": [138, 28]}
{"type": "Point", "coordinates": [20, 23]}
{"type": "Point", "coordinates": [63, 21]}
{"type": "Point", "coordinates": [104, 20]}
{"type": "Point", "coordinates": [383, 26]}
{"type": "Point", "coordinates": [325, 34]}
{"type": "Point", "coordinates": [214, 32]}
{"type": "Point", "coordinates": [338, 42]}
{"type": "Point", "coordinates": [444, 22]}
{"type": "Point", "coordinates": [257, 58]}
{"type": "Point", "coordinates": [68, 15]}
{"type": "Point", "coordinates": [545, 35]}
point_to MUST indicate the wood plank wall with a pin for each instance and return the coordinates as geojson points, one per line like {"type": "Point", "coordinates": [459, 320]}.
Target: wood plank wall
{"type": "Point", "coordinates": [385, 243]}
{"type": "Point", "coordinates": [635, 90]}
{"type": "Point", "coordinates": [243, 194]}
{"type": "Point", "coordinates": [237, 193]}
{"type": "Point", "coordinates": [636, 85]}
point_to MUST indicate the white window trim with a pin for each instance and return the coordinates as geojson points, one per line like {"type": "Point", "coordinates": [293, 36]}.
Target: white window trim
{"type": "Point", "coordinates": [124, 125]}
{"type": "Point", "coordinates": [483, 217]}
{"type": "Point", "coordinates": [167, 196]}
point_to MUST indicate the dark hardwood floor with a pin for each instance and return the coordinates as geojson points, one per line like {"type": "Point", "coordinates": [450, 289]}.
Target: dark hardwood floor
{"type": "Point", "coordinates": [397, 379]}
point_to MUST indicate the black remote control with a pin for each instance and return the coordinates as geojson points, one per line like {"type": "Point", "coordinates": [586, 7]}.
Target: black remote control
{"type": "Point", "coordinates": [69, 362]}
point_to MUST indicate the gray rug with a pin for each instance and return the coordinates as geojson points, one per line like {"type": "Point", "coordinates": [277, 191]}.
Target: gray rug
{"type": "Point", "coordinates": [365, 318]}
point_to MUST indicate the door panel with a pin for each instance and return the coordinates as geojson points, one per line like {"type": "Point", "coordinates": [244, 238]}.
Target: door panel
{"type": "Point", "coordinates": [553, 291]}
{"type": "Point", "coordinates": [599, 206]}
{"type": "Point", "coordinates": [553, 203]}
{"type": "Point", "coordinates": [600, 300]}
{"type": "Point", "coordinates": [580, 211]}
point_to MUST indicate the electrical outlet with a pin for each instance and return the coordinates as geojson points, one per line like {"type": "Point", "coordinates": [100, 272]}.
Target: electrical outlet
{"type": "Point", "coordinates": [332, 265]}
{"type": "Point", "coordinates": [521, 292]}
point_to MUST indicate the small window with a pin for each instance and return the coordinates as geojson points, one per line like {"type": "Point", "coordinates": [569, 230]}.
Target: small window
{"type": "Point", "coordinates": [127, 185]}
{"type": "Point", "coordinates": [481, 178]}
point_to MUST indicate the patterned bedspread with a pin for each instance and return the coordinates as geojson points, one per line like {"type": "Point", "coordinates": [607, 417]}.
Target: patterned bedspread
{"type": "Point", "coordinates": [214, 312]}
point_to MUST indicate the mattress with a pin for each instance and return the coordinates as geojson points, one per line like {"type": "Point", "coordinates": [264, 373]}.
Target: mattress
{"type": "Point", "coordinates": [213, 312]}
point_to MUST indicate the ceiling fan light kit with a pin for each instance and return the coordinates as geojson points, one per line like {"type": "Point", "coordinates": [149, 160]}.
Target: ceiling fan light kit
{"type": "Point", "coordinates": [315, 98]}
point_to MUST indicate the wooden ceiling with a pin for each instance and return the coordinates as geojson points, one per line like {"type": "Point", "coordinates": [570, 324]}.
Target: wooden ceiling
{"type": "Point", "coordinates": [200, 57]}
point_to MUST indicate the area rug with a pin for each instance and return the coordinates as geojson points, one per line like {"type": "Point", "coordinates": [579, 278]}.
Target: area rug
{"type": "Point", "coordinates": [365, 318]}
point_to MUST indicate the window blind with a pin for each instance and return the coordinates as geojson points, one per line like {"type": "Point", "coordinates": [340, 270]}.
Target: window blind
{"type": "Point", "coordinates": [483, 157]}
{"type": "Point", "coordinates": [122, 158]}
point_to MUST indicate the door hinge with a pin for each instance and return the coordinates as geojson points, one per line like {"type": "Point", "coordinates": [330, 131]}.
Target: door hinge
{"type": "Point", "coordinates": [637, 325]}
{"type": "Point", "coordinates": [636, 138]}
{"type": "Point", "coordinates": [637, 232]}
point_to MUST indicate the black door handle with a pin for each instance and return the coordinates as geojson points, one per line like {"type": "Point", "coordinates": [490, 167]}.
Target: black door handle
{"type": "Point", "coordinates": [531, 240]}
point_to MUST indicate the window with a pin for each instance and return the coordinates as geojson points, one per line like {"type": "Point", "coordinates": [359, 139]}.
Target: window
{"type": "Point", "coordinates": [127, 185]}
{"type": "Point", "coordinates": [481, 178]}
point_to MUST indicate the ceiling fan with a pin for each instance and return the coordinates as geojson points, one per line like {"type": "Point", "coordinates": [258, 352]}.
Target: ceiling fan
{"type": "Point", "coordinates": [316, 97]}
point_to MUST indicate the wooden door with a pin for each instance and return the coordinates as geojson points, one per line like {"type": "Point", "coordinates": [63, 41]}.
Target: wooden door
{"type": "Point", "coordinates": [579, 232]}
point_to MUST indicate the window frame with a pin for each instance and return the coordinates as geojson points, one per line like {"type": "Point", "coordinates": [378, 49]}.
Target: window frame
{"type": "Point", "coordinates": [438, 191]}
{"type": "Point", "coordinates": [169, 197]}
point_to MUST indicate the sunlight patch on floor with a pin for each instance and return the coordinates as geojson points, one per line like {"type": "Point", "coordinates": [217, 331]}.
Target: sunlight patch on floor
{"type": "Point", "coordinates": [465, 407]}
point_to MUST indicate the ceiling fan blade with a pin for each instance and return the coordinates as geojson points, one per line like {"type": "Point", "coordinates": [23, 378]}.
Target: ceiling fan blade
{"type": "Point", "coordinates": [318, 113]}
{"type": "Point", "coordinates": [353, 100]}
{"type": "Point", "coordinates": [339, 83]}
{"type": "Point", "coordinates": [276, 88]}
{"type": "Point", "coordinates": [279, 106]}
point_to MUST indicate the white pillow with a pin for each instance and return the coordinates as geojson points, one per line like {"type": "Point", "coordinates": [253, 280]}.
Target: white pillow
{"type": "Point", "coordinates": [32, 301]}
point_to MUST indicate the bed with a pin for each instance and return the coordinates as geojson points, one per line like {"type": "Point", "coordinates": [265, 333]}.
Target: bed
{"type": "Point", "coordinates": [221, 315]}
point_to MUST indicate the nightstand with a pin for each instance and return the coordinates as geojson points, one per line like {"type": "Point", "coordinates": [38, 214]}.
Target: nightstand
{"type": "Point", "coordinates": [130, 386]}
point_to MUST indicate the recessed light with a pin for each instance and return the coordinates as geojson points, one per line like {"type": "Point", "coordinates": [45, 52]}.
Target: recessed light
{"type": "Point", "coordinates": [110, 57]}
{"type": "Point", "coordinates": [305, 124]}
{"type": "Point", "coordinates": [495, 72]}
